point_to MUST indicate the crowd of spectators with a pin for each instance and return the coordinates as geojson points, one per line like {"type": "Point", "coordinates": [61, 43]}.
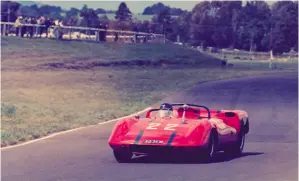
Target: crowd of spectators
{"type": "Point", "coordinates": [29, 25]}
{"type": "Point", "coordinates": [40, 27]}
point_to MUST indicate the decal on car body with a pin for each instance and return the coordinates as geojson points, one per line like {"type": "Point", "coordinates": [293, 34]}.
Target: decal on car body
{"type": "Point", "coordinates": [171, 138]}
{"type": "Point", "coordinates": [138, 137]}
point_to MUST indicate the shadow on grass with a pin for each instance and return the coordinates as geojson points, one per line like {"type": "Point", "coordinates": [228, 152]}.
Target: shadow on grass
{"type": "Point", "coordinates": [220, 157]}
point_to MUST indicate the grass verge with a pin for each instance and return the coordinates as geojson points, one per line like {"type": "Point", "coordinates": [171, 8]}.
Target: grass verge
{"type": "Point", "coordinates": [37, 102]}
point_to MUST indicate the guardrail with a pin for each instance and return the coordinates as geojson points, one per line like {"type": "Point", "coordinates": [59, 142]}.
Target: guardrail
{"type": "Point", "coordinates": [67, 32]}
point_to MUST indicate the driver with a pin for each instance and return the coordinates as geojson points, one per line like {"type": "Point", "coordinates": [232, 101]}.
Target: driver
{"type": "Point", "coordinates": [166, 110]}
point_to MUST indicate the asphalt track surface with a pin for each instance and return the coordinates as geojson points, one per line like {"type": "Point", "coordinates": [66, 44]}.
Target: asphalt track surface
{"type": "Point", "coordinates": [270, 153]}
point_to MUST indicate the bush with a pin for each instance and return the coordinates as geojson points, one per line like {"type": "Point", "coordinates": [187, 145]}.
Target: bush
{"type": "Point", "coordinates": [8, 110]}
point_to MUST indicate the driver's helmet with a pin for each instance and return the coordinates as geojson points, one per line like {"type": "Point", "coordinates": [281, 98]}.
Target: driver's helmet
{"type": "Point", "coordinates": [165, 110]}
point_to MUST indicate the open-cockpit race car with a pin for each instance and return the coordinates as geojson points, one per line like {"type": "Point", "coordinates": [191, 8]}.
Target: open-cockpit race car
{"type": "Point", "coordinates": [194, 129]}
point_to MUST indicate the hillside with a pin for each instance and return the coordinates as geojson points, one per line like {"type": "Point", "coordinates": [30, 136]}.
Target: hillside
{"type": "Point", "coordinates": [86, 54]}
{"type": "Point", "coordinates": [50, 86]}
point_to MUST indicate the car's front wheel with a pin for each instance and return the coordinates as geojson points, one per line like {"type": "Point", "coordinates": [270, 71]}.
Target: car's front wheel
{"type": "Point", "coordinates": [122, 156]}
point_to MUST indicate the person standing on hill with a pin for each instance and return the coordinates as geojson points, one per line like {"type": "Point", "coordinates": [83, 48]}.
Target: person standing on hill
{"type": "Point", "coordinates": [101, 32]}
{"type": "Point", "coordinates": [30, 22]}
{"type": "Point", "coordinates": [48, 23]}
{"type": "Point", "coordinates": [24, 27]}
{"type": "Point", "coordinates": [41, 22]}
{"type": "Point", "coordinates": [33, 29]}
{"type": "Point", "coordinates": [18, 24]}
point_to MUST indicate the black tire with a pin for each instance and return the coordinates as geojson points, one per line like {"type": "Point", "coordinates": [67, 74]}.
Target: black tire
{"type": "Point", "coordinates": [122, 156]}
{"type": "Point", "coordinates": [211, 150]}
{"type": "Point", "coordinates": [237, 148]}
{"type": "Point", "coordinates": [246, 127]}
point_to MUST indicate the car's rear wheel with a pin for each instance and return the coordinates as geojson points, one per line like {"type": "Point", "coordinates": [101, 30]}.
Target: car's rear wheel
{"type": "Point", "coordinates": [211, 150]}
{"type": "Point", "coordinates": [237, 148]}
{"type": "Point", "coordinates": [122, 156]}
{"type": "Point", "coordinates": [246, 126]}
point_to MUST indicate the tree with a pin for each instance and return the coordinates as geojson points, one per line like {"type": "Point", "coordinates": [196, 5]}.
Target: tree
{"type": "Point", "coordinates": [163, 23]}
{"type": "Point", "coordinates": [154, 9]}
{"type": "Point", "coordinates": [254, 26]}
{"type": "Point", "coordinates": [9, 11]}
{"type": "Point", "coordinates": [158, 7]}
{"type": "Point", "coordinates": [226, 22]}
{"type": "Point", "coordinates": [202, 24]}
{"type": "Point", "coordinates": [50, 11]}
{"type": "Point", "coordinates": [164, 19]}
{"type": "Point", "coordinates": [285, 26]}
{"type": "Point", "coordinates": [123, 13]}
{"type": "Point", "coordinates": [100, 11]}
{"type": "Point", "coordinates": [176, 11]}
{"type": "Point", "coordinates": [183, 28]}
{"type": "Point", "coordinates": [90, 18]}
{"type": "Point", "coordinates": [29, 11]}
{"type": "Point", "coordinates": [72, 12]}
{"type": "Point", "coordinates": [148, 11]}
{"type": "Point", "coordinates": [142, 26]}
{"type": "Point", "coordinates": [72, 17]}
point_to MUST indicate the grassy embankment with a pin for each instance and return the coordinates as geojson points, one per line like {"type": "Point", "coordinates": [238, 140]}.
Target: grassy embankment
{"type": "Point", "coordinates": [50, 86]}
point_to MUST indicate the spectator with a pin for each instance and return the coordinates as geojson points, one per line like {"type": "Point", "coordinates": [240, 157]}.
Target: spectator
{"type": "Point", "coordinates": [58, 32]}
{"type": "Point", "coordinates": [38, 27]}
{"type": "Point", "coordinates": [33, 29]}
{"type": "Point", "coordinates": [136, 40]}
{"type": "Point", "coordinates": [29, 28]}
{"type": "Point", "coordinates": [56, 22]}
{"type": "Point", "coordinates": [145, 39]}
{"type": "Point", "coordinates": [18, 24]}
{"type": "Point", "coordinates": [41, 28]}
{"type": "Point", "coordinates": [24, 28]}
{"type": "Point", "coordinates": [116, 36]}
{"type": "Point", "coordinates": [37, 31]}
{"type": "Point", "coordinates": [103, 32]}
{"type": "Point", "coordinates": [48, 23]}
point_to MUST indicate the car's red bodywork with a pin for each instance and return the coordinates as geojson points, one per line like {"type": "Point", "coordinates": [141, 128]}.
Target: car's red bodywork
{"type": "Point", "coordinates": [189, 127]}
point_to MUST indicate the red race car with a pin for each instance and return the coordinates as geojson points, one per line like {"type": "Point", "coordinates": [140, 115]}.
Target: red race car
{"type": "Point", "coordinates": [173, 128]}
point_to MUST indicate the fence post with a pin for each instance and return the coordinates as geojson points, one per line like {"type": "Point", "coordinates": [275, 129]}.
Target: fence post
{"type": "Point", "coordinates": [4, 29]}
{"type": "Point", "coordinates": [20, 30]}
{"type": "Point", "coordinates": [270, 60]}
{"type": "Point", "coordinates": [97, 35]}
{"type": "Point", "coordinates": [70, 34]}
{"type": "Point", "coordinates": [178, 38]}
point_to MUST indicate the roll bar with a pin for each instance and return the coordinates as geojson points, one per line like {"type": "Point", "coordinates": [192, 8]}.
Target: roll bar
{"type": "Point", "coordinates": [184, 106]}
{"type": "Point", "coordinates": [194, 105]}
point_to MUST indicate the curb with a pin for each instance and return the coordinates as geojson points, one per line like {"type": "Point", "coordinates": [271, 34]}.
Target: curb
{"type": "Point", "coordinates": [71, 130]}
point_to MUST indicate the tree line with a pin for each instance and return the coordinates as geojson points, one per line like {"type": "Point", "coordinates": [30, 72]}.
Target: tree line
{"type": "Point", "coordinates": [228, 24]}
{"type": "Point", "coordinates": [156, 8]}
{"type": "Point", "coordinates": [253, 26]}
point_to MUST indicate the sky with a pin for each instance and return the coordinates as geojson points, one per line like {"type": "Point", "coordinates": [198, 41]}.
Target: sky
{"type": "Point", "coordinates": [135, 6]}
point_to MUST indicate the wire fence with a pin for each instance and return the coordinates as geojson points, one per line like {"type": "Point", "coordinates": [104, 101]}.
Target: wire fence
{"type": "Point", "coordinates": [79, 33]}
{"type": "Point", "coordinates": [247, 55]}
